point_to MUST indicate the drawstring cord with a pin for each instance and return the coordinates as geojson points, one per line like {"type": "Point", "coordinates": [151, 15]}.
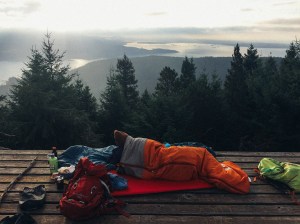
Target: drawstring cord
{"type": "Point", "coordinates": [278, 185]}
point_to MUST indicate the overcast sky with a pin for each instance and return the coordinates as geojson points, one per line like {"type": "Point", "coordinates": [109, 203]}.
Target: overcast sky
{"type": "Point", "coordinates": [220, 19]}
{"type": "Point", "coordinates": [187, 25]}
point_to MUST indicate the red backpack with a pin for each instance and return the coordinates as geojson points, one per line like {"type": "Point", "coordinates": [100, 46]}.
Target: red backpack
{"type": "Point", "coordinates": [88, 193]}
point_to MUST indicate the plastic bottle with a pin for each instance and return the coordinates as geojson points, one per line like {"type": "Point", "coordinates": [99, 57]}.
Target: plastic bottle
{"type": "Point", "coordinates": [53, 163]}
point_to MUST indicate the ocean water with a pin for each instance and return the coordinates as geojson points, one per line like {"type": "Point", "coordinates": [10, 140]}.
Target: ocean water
{"type": "Point", "coordinates": [202, 50]}
{"type": "Point", "coordinates": [13, 68]}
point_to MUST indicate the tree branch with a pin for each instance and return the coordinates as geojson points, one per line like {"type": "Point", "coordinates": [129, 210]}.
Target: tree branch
{"type": "Point", "coordinates": [6, 135]}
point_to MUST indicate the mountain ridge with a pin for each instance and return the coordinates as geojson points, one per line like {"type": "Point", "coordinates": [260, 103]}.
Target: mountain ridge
{"type": "Point", "coordinates": [147, 70]}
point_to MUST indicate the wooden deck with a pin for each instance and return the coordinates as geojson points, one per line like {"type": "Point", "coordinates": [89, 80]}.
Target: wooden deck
{"type": "Point", "coordinates": [263, 204]}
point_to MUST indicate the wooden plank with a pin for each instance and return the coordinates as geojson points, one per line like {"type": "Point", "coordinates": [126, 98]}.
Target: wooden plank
{"type": "Point", "coordinates": [26, 178]}
{"type": "Point", "coordinates": [242, 159]}
{"type": "Point", "coordinates": [183, 198]}
{"type": "Point", "coordinates": [22, 157]}
{"type": "Point", "coordinates": [219, 153]}
{"type": "Point", "coordinates": [189, 219]}
{"type": "Point", "coordinates": [237, 159]}
{"type": "Point", "coordinates": [28, 152]}
{"type": "Point", "coordinates": [44, 163]}
{"type": "Point", "coordinates": [46, 171]}
{"type": "Point", "coordinates": [22, 164]}
{"type": "Point", "coordinates": [261, 154]}
{"type": "Point", "coordinates": [51, 187]}
{"type": "Point", "coordinates": [151, 219]}
{"type": "Point", "coordinates": [264, 203]}
{"type": "Point", "coordinates": [211, 199]}
{"type": "Point", "coordinates": [7, 160]}
{"type": "Point", "coordinates": [181, 209]}
{"type": "Point", "coordinates": [34, 171]}
{"type": "Point", "coordinates": [35, 178]}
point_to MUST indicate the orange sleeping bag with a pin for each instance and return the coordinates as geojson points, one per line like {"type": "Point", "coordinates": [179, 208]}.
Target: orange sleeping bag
{"type": "Point", "coordinates": [181, 163]}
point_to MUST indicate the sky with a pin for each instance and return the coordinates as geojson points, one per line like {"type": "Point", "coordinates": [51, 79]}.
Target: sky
{"type": "Point", "coordinates": [192, 27]}
{"type": "Point", "coordinates": [227, 17]}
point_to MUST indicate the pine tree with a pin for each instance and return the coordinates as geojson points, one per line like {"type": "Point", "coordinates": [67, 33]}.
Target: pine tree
{"type": "Point", "coordinates": [144, 121]}
{"type": "Point", "coordinates": [125, 75]}
{"type": "Point", "coordinates": [251, 60]}
{"type": "Point", "coordinates": [112, 102]}
{"type": "Point", "coordinates": [119, 101]}
{"type": "Point", "coordinates": [237, 99]}
{"type": "Point", "coordinates": [264, 95]}
{"type": "Point", "coordinates": [43, 103]}
{"type": "Point", "coordinates": [204, 111]}
{"type": "Point", "coordinates": [287, 98]}
{"type": "Point", "coordinates": [289, 79]}
{"type": "Point", "coordinates": [236, 90]}
{"type": "Point", "coordinates": [167, 82]}
{"type": "Point", "coordinates": [85, 101]}
{"type": "Point", "coordinates": [188, 73]}
{"type": "Point", "coordinates": [6, 139]}
{"type": "Point", "coordinates": [270, 67]}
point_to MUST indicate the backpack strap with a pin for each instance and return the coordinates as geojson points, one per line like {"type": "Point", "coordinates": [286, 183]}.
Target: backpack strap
{"type": "Point", "coordinates": [283, 188]}
{"type": "Point", "coordinates": [293, 197]}
{"type": "Point", "coordinates": [112, 203]}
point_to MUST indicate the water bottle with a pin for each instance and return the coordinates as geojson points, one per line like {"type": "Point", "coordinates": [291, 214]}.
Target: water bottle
{"type": "Point", "coordinates": [53, 163]}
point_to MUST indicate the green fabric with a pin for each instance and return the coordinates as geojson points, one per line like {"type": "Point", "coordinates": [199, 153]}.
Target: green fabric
{"type": "Point", "coordinates": [285, 172]}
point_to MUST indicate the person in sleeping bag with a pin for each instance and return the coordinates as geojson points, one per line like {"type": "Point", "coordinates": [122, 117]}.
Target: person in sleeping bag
{"type": "Point", "coordinates": [150, 159]}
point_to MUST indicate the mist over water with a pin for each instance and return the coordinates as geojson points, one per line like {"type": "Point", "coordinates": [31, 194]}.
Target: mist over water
{"type": "Point", "coordinates": [205, 50]}
{"type": "Point", "coordinates": [10, 69]}
{"type": "Point", "coordinates": [14, 68]}
{"type": "Point", "coordinates": [77, 62]}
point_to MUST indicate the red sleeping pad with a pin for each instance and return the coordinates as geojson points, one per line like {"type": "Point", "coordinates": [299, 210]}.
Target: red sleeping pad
{"type": "Point", "coordinates": [141, 186]}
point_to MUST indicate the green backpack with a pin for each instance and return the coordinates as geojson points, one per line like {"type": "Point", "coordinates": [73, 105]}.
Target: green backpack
{"type": "Point", "coordinates": [283, 172]}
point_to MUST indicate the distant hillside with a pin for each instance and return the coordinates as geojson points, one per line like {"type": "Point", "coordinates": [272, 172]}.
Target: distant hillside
{"type": "Point", "coordinates": [147, 70]}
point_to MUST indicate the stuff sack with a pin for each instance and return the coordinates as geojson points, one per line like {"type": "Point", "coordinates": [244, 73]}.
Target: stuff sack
{"type": "Point", "coordinates": [284, 172]}
{"type": "Point", "coordinates": [88, 192]}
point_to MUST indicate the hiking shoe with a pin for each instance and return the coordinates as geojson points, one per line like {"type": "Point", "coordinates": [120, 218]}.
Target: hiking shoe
{"type": "Point", "coordinates": [120, 138]}
{"type": "Point", "coordinates": [21, 218]}
{"type": "Point", "coordinates": [32, 198]}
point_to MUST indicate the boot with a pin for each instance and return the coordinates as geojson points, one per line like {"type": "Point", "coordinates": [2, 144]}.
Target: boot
{"type": "Point", "coordinates": [120, 138]}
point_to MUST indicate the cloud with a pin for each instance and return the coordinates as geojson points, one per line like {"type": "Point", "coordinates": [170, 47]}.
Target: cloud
{"type": "Point", "coordinates": [31, 7]}
{"type": "Point", "coordinates": [278, 25]}
{"type": "Point", "coordinates": [256, 44]}
{"type": "Point", "coordinates": [285, 22]}
{"type": "Point", "coordinates": [183, 32]}
{"type": "Point", "coordinates": [14, 8]}
{"type": "Point", "coordinates": [247, 10]}
{"type": "Point", "coordinates": [156, 14]}
{"type": "Point", "coordinates": [284, 3]}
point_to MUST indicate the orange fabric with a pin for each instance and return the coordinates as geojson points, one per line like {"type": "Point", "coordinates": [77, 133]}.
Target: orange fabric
{"type": "Point", "coordinates": [182, 163]}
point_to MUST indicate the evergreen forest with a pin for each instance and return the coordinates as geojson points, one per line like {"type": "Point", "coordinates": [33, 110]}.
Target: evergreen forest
{"type": "Point", "coordinates": [256, 108]}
